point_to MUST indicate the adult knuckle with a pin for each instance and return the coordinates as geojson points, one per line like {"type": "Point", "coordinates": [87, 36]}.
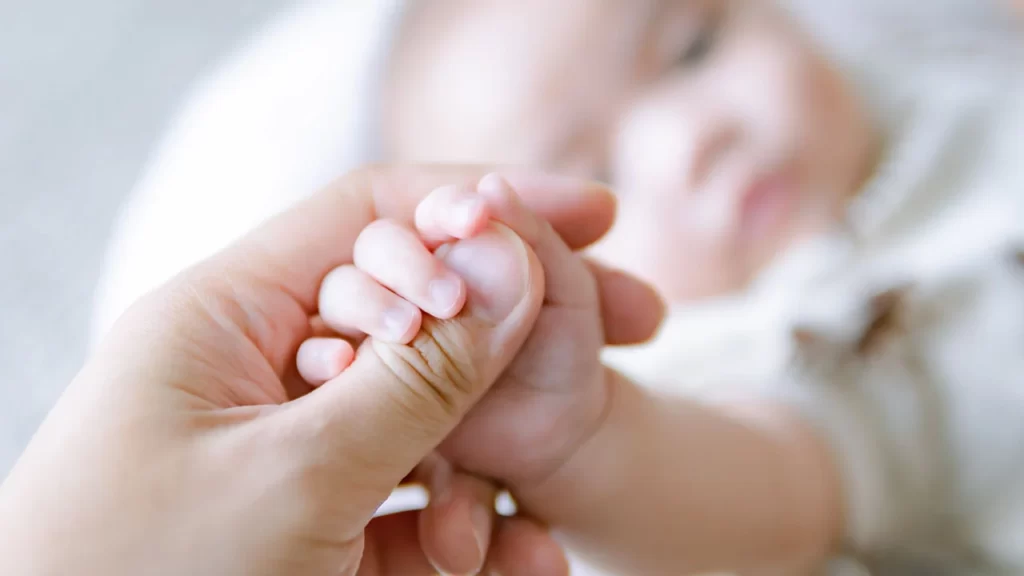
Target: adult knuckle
{"type": "Point", "coordinates": [437, 366]}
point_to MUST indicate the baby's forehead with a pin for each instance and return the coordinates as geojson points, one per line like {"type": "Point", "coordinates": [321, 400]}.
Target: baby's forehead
{"type": "Point", "coordinates": [488, 65]}
{"type": "Point", "coordinates": [436, 29]}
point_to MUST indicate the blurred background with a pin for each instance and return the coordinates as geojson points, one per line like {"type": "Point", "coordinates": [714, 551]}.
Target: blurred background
{"type": "Point", "coordinates": [86, 89]}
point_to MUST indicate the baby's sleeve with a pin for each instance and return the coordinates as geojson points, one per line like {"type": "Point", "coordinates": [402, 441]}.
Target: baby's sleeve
{"type": "Point", "coordinates": [921, 397]}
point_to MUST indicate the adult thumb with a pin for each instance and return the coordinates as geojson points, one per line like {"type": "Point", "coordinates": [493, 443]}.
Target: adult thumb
{"type": "Point", "coordinates": [396, 403]}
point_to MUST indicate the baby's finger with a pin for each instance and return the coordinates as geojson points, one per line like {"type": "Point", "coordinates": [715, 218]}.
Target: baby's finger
{"type": "Point", "coordinates": [450, 213]}
{"type": "Point", "coordinates": [395, 257]}
{"type": "Point", "coordinates": [321, 359]}
{"type": "Point", "coordinates": [350, 300]}
{"type": "Point", "coordinates": [567, 282]}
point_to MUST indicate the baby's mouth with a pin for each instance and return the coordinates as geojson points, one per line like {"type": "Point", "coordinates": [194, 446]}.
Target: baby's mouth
{"type": "Point", "coordinates": [765, 204]}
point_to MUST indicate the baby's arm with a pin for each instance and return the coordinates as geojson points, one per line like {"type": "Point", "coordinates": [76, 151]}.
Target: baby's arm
{"type": "Point", "coordinates": [671, 486]}
{"type": "Point", "coordinates": [394, 281]}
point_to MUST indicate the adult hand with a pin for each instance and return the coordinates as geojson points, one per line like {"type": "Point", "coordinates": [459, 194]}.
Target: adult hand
{"type": "Point", "coordinates": [188, 445]}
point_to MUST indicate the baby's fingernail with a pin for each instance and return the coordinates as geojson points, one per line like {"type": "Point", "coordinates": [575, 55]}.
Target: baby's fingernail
{"type": "Point", "coordinates": [397, 321]}
{"type": "Point", "coordinates": [492, 183]}
{"type": "Point", "coordinates": [321, 359]}
{"type": "Point", "coordinates": [496, 189]}
{"type": "Point", "coordinates": [445, 293]}
{"type": "Point", "coordinates": [467, 212]}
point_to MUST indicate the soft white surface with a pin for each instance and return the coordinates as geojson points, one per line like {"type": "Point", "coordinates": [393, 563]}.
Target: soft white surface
{"type": "Point", "coordinates": [85, 89]}
{"type": "Point", "coordinates": [281, 118]}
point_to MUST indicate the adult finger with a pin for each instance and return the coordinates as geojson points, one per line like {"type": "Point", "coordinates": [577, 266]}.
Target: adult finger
{"type": "Point", "coordinates": [631, 310]}
{"type": "Point", "coordinates": [455, 527]}
{"type": "Point", "coordinates": [522, 547]}
{"type": "Point", "coordinates": [392, 547]}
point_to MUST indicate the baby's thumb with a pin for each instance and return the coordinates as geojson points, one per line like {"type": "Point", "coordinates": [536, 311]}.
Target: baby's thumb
{"type": "Point", "coordinates": [395, 403]}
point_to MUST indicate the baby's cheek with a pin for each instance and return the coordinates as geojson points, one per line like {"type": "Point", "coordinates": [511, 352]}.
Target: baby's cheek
{"type": "Point", "coordinates": [629, 244]}
{"type": "Point", "coordinates": [655, 243]}
{"type": "Point", "coordinates": [691, 271]}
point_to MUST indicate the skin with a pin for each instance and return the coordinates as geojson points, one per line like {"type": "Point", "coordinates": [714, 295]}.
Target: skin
{"type": "Point", "coordinates": [196, 449]}
{"type": "Point", "coordinates": [728, 135]}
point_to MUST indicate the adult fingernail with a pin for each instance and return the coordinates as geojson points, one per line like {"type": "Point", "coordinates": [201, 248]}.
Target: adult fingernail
{"type": "Point", "coordinates": [480, 518]}
{"type": "Point", "coordinates": [439, 571]}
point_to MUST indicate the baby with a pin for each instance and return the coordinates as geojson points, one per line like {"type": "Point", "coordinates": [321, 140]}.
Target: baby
{"type": "Point", "coordinates": [829, 195]}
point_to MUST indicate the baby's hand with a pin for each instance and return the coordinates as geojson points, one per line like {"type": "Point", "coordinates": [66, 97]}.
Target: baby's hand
{"type": "Point", "coordinates": [394, 280]}
{"type": "Point", "coordinates": [551, 397]}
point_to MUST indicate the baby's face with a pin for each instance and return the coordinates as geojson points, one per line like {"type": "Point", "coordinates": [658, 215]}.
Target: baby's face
{"type": "Point", "coordinates": [726, 134]}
